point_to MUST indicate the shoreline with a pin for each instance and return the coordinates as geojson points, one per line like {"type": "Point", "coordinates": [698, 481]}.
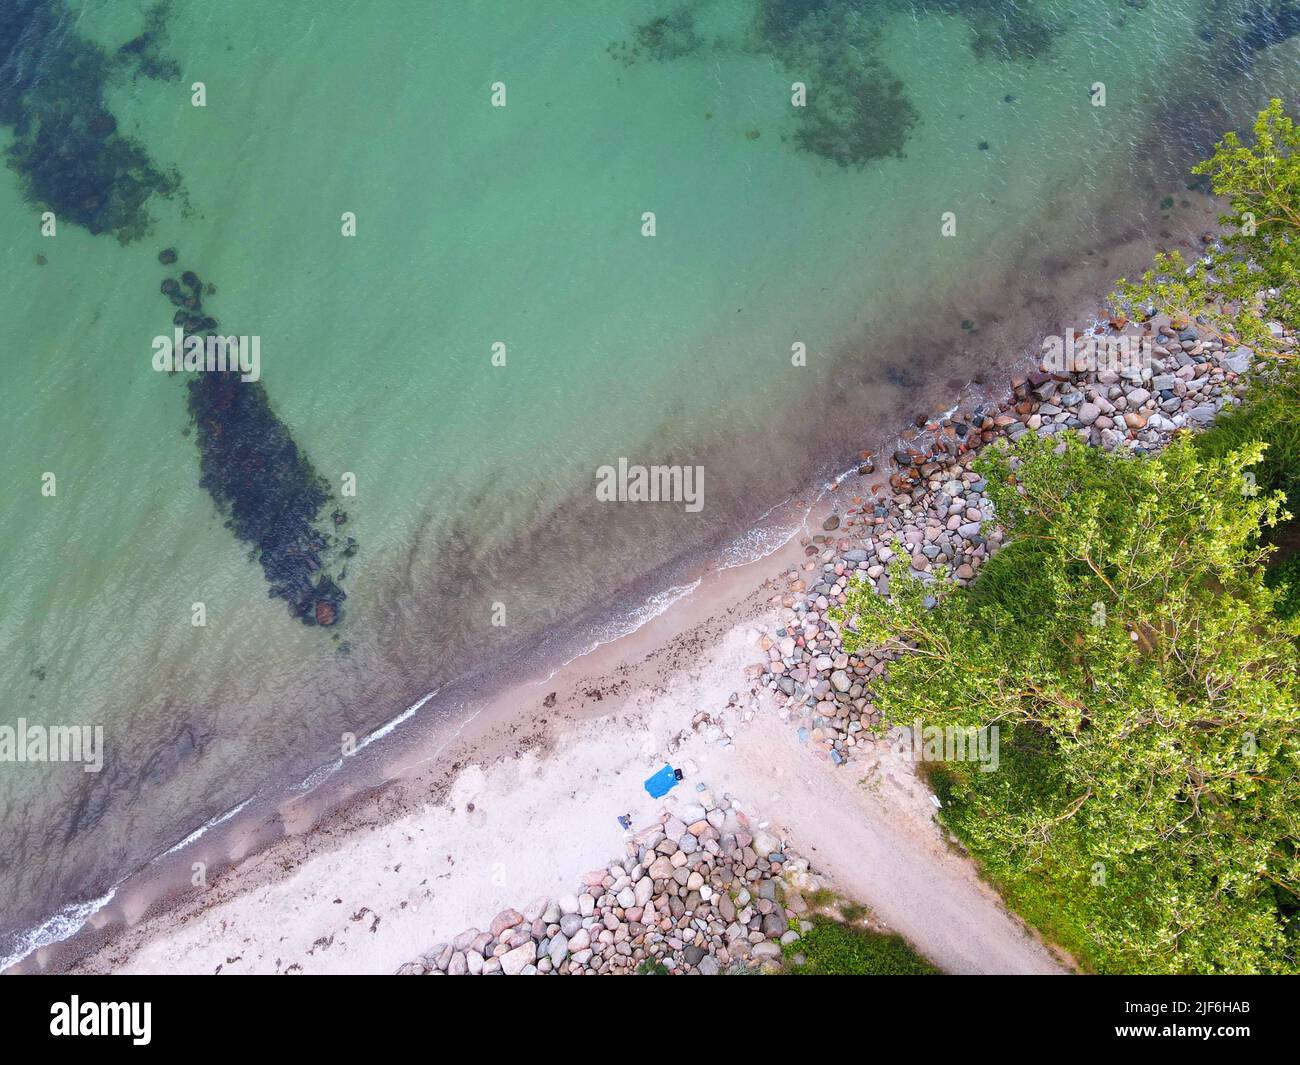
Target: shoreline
{"type": "Point", "coordinates": [428, 758]}
{"type": "Point", "coordinates": [668, 907]}
{"type": "Point", "coordinates": [238, 839]}
{"type": "Point", "coordinates": [523, 784]}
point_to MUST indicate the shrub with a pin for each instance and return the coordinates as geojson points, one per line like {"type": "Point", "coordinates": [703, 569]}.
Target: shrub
{"type": "Point", "coordinates": [1253, 272]}
{"type": "Point", "coordinates": [1270, 414]}
{"type": "Point", "coordinates": [835, 949]}
{"type": "Point", "coordinates": [1285, 580]}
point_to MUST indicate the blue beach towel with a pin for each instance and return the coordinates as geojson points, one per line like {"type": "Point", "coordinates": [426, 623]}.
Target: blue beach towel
{"type": "Point", "coordinates": [661, 783]}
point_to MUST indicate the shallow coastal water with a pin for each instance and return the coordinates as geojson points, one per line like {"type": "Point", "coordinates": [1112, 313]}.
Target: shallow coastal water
{"type": "Point", "coordinates": [520, 226]}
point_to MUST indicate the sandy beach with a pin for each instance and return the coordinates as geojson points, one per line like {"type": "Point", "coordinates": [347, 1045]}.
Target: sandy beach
{"type": "Point", "coordinates": [529, 799]}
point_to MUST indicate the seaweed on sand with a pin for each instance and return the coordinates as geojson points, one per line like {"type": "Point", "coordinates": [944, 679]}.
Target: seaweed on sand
{"type": "Point", "coordinates": [1242, 28]}
{"type": "Point", "coordinates": [1009, 30]}
{"type": "Point", "coordinates": [67, 149]}
{"type": "Point", "coordinates": [779, 20]}
{"type": "Point", "coordinates": [268, 490]}
{"type": "Point", "coordinates": [1268, 22]}
{"type": "Point", "coordinates": [71, 158]}
{"type": "Point", "coordinates": [669, 36]}
{"type": "Point", "coordinates": [145, 50]}
{"type": "Point", "coordinates": [665, 37]}
{"type": "Point", "coordinates": [1002, 29]}
{"type": "Point", "coordinates": [857, 122]}
{"type": "Point", "coordinates": [856, 110]}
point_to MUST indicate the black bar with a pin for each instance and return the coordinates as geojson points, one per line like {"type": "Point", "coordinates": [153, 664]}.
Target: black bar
{"type": "Point", "coordinates": [267, 1013]}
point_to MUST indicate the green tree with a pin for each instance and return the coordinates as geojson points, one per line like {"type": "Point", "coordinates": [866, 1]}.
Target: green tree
{"type": "Point", "coordinates": [1126, 646]}
{"type": "Point", "coordinates": [1252, 274]}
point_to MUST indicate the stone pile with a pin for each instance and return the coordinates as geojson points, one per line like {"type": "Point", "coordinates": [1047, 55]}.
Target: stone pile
{"type": "Point", "coordinates": [699, 891]}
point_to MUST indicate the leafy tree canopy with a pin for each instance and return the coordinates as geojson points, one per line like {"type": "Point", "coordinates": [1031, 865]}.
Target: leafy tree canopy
{"type": "Point", "coordinates": [1127, 647]}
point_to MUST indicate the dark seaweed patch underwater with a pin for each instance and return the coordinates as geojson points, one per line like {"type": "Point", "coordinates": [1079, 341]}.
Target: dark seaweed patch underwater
{"type": "Point", "coordinates": [1000, 29]}
{"type": "Point", "coordinates": [71, 158]}
{"type": "Point", "coordinates": [261, 481]}
{"type": "Point", "coordinates": [68, 152]}
{"type": "Point", "coordinates": [1268, 22]}
{"type": "Point", "coordinates": [856, 111]}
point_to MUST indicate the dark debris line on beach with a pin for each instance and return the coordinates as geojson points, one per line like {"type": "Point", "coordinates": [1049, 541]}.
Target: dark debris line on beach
{"type": "Point", "coordinates": [70, 158]}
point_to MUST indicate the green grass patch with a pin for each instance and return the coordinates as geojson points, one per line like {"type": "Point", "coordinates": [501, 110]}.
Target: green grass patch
{"type": "Point", "coordinates": [821, 898]}
{"type": "Point", "coordinates": [1285, 579]}
{"type": "Point", "coordinates": [834, 949]}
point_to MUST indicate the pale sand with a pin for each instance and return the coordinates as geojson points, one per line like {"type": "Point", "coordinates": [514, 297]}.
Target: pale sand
{"type": "Point", "coordinates": [412, 865]}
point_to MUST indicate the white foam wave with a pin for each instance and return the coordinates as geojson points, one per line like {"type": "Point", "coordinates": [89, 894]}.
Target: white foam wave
{"type": "Point", "coordinates": [322, 773]}
{"type": "Point", "coordinates": [71, 919]}
{"type": "Point", "coordinates": [202, 829]}
{"type": "Point", "coordinates": [633, 620]}
{"type": "Point", "coordinates": [757, 544]}
{"type": "Point", "coordinates": [67, 922]}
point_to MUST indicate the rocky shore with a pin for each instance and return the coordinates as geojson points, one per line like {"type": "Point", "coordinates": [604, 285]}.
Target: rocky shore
{"type": "Point", "coordinates": [699, 891]}
{"type": "Point", "coordinates": [932, 509]}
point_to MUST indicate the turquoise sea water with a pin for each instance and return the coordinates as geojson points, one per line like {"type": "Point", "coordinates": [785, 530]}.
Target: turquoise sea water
{"type": "Point", "coordinates": [479, 225]}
